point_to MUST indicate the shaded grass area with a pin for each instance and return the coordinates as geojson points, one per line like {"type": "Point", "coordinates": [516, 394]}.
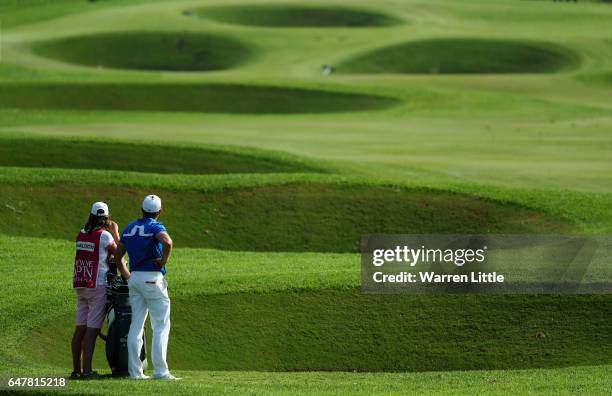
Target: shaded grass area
{"type": "Point", "coordinates": [192, 272]}
{"type": "Point", "coordinates": [346, 330]}
{"type": "Point", "coordinates": [463, 55]}
{"type": "Point", "coordinates": [103, 154]}
{"type": "Point", "coordinates": [290, 15]}
{"type": "Point", "coordinates": [304, 314]}
{"type": "Point", "coordinates": [203, 98]}
{"type": "Point", "coordinates": [589, 213]}
{"type": "Point", "coordinates": [147, 50]}
{"type": "Point", "coordinates": [295, 217]}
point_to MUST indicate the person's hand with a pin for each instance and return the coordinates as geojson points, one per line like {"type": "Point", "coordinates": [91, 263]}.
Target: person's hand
{"type": "Point", "coordinates": [112, 226]}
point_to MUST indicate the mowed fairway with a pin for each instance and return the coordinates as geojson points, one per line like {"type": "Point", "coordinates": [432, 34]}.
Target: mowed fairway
{"type": "Point", "coordinates": [440, 116]}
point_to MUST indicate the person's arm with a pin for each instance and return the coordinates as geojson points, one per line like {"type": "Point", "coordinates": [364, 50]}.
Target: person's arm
{"type": "Point", "coordinates": [120, 259]}
{"type": "Point", "coordinates": [166, 241]}
{"type": "Point", "coordinates": [113, 228]}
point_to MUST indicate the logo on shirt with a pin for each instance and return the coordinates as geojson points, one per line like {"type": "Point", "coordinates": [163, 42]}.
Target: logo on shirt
{"type": "Point", "coordinates": [83, 269]}
{"type": "Point", "coordinates": [137, 229]}
{"type": "Point", "coordinates": [86, 246]}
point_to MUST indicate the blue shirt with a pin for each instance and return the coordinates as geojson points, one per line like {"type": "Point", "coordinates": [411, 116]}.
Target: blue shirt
{"type": "Point", "coordinates": [139, 239]}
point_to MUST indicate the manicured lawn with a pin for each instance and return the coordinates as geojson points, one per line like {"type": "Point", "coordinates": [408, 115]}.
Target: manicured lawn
{"type": "Point", "coordinates": [438, 116]}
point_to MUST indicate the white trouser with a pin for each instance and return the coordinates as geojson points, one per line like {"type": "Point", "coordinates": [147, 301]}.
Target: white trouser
{"type": "Point", "coordinates": [148, 293]}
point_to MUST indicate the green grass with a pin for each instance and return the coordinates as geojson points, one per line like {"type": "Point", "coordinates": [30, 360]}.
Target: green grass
{"type": "Point", "coordinates": [116, 155]}
{"type": "Point", "coordinates": [309, 217]}
{"type": "Point", "coordinates": [255, 312]}
{"type": "Point", "coordinates": [456, 56]}
{"type": "Point", "coordinates": [267, 154]}
{"type": "Point", "coordinates": [588, 212]}
{"type": "Point", "coordinates": [203, 98]}
{"type": "Point", "coordinates": [180, 51]}
{"type": "Point", "coordinates": [275, 331]}
{"type": "Point", "coordinates": [244, 308]}
{"type": "Point", "coordinates": [17, 12]}
{"type": "Point", "coordinates": [290, 15]}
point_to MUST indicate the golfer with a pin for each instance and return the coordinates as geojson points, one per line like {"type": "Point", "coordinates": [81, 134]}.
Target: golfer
{"type": "Point", "coordinates": [148, 246]}
{"type": "Point", "coordinates": [94, 245]}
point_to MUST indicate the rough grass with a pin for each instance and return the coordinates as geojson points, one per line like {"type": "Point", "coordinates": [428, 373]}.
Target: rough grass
{"type": "Point", "coordinates": [262, 311]}
{"type": "Point", "coordinates": [117, 155]}
{"type": "Point", "coordinates": [202, 98]}
{"type": "Point", "coordinates": [471, 56]}
{"type": "Point", "coordinates": [180, 51]}
{"type": "Point", "coordinates": [278, 332]}
{"type": "Point", "coordinates": [588, 212]}
{"type": "Point", "coordinates": [309, 217]}
{"type": "Point", "coordinates": [291, 15]}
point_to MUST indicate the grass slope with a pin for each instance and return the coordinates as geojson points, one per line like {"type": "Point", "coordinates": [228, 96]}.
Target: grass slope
{"type": "Point", "coordinates": [117, 155]}
{"type": "Point", "coordinates": [291, 15]}
{"type": "Point", "coordinates": [332, 330]}
{"type": "Point", "coordinates": [180, 51]}
{"type": "Point", "coordinates": [309, 217]}
{"type": "Point", "coordinates": [290, 311]}
{"type": "Point", "coordinates": [455, 56]}
{"type": "Point", "coordinates": [202, 98]}
{"type": "Point", "coordinates": [589, 212]}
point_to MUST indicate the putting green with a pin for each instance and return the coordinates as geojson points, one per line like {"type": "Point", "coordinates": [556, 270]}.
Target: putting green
{"type": "Point", "coordinates": [299, 217]}
{"type": "Point", "coordinates": [464, 56]}
{"type": "Point", "coordinates": [102, 154]}
{"type": "Point", "coordinates": [193, 98]}
{"type": "Point", "coordinates": [290, 15]}
{"type": "Point", "coordinates": [149, 51]}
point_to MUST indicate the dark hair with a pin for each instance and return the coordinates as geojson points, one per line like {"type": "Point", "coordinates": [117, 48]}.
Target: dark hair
{"type": "Point", "coordinates": [95, 221]}
{"type": "Point", "coordinates": [148, 215]}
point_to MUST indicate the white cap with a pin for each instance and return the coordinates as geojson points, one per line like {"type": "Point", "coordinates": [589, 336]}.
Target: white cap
{"type": "Point", "coordinates": [151, 204]}
{"type": "Point", "coordinates": [99, 209]}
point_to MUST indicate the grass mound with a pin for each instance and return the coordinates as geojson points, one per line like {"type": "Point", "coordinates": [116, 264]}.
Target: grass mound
{"type": "Point", "coordinates": [148, 51]}
{"type": "Point", "coordinates": [464, 56]}
{"type": "Point", "coordinates": [283, 15]}
{"type": "Point", "coordinates": [90, 154]}
{"type": "Point", "coordinates": [298, 217]}
{"type": "Point", "coordinates": [196, 98]}
{"type": "Point", "coordinates": [352, 331]}
{"type": "Point", "coordinates": [254, 311]}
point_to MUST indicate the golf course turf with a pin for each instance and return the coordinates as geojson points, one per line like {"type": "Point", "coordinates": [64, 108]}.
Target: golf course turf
{"type": "Point", "coordinates": [203, 98]}
{"type": "Point", "coordinates": [148, 51]}
{"type": "Point", "coordinates": [463, 56]}
{"type": "Point", "coordinates": [442, 116]}
{"type": "Point", "coordinates": [290, 15]}
{"type": "Point", "coordinates": [331, 329]}
{"type": "Point", "coordinates": [104, 154]}
{"type": "Point", "coordinates": [311, 217]}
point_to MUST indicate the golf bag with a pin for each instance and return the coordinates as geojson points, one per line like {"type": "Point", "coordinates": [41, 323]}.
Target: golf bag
{"type": "Point", "coordinates": [119, 318]}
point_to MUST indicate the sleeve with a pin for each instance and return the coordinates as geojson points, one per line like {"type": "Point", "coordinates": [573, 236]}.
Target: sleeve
{"type": "Point", "coordinates": [159, 227]}
{"type": "Point", "coordinates": [107, 242]}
